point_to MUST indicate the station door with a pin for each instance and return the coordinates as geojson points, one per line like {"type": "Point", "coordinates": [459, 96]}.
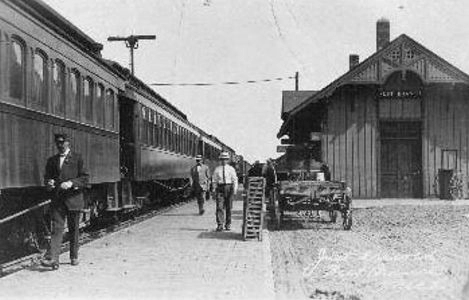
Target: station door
{"type": "Point", "coordinates": [401, 159]}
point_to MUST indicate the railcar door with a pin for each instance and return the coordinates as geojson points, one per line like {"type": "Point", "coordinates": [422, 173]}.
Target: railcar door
{"type": "Point", "coordinates": [127, 136]}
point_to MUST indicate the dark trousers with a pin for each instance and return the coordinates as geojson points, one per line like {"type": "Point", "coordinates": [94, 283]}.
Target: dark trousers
{"type": "Point", "coordinates": [199, 194]}
{"type": "Point", "coordinates": [59, 213]}
{"type": "Point", "coordinates": [224, 204]}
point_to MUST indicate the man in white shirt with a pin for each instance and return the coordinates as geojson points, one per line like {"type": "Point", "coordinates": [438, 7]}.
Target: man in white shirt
{"type": "Point", "coordinates": [225, 184]}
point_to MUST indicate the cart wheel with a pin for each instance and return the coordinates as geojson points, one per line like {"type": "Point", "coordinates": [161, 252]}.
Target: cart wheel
{"type": "Point", "coordinates": [333, 216]}
{"type": "Point", "coordinates": [347, 219]}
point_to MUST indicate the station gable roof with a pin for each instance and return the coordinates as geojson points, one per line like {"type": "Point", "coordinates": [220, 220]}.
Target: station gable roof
{"type": "Point", "coordinates": [403, 53]}
{"type": "Point", "coordinates": [291, 99]}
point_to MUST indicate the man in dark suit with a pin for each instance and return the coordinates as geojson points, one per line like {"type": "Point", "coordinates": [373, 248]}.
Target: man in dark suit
{"type": "Point", "coordinates": [65, 178]}
{"type": "Point", "coordinates": [200, 181]}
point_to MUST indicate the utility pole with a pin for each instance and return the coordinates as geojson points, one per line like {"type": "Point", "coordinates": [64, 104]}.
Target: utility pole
{"type": "Point", "coordinates": [131, 42]}
{"type": "Point", "coordinates": [297, 75]}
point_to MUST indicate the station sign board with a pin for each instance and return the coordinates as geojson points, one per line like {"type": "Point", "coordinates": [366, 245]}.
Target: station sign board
{"type": "Point", "coordinates": [400, 94]}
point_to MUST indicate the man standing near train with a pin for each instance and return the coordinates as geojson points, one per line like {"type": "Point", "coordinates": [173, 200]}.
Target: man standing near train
{"type": "Point", "coordinates": [65, 177]}
{"type": "Point", "coordinates": [225, 184]}
{"type": "Point", "coordinates": [200, 182]}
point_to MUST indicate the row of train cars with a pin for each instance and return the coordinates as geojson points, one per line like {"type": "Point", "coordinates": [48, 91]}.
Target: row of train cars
{"type": "Point", "coordinates": [136, 145]}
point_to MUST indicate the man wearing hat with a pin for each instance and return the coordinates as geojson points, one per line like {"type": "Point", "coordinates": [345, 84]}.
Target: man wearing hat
{"type": "Point", "coordinates": [65, 177]}
{"type": "Point", "coordinates": [225, 184]}
{"type": "Point", "coordinates": [200, 182]}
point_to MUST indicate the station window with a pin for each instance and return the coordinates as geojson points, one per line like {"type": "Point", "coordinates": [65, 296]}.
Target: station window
{"type": "Point", "coordinates": [73, 107]}
{"type": "Point", "coordinates": [58, 81]}
{"type": "Point", "coordinates": [99, 105]}
{"type": "Point", "coordinates": [109, 109]}
{"type": "Point", "coordinates": [17, 71]}
{"type": "Point", "coordinates": [39, 94]}
{"type": "Point", "coordinates": [88, 100]}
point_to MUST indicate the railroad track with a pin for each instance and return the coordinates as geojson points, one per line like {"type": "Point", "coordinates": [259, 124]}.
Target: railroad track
{"type": "Point", "coordinates": [85, 237]}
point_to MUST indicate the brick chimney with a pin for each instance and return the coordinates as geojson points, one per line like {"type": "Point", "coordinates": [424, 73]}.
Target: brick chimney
{"type": "Point", "coordinates": [354, 60]}
{"type": "Point", "coordinates": [382, 33]}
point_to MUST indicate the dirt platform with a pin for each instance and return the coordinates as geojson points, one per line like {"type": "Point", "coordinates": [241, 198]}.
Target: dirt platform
{"type": "Point", "coordinates": [393, 251]}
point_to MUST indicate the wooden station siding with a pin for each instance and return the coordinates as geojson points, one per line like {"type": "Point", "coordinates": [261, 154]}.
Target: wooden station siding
{"type": "Point", "coordinates": [350, 143]}
{"type": "Point", "coordinates": [446, 127]}
{"type": "Point", "coordinates": [349, 139]}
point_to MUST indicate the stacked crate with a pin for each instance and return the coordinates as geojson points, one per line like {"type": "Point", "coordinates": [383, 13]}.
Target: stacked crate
{"type": "Point", "coordinates": [254, 208]}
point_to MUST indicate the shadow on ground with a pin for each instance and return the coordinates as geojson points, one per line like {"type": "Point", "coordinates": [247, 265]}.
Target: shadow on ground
{"type": "Point", "coordinates": [221, 235]}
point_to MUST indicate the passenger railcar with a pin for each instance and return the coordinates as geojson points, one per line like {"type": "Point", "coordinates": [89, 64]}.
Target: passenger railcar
{"type": "Point", "coordinates": [158, 143]}
{"type": "Point", "coordinates": [53, 79]}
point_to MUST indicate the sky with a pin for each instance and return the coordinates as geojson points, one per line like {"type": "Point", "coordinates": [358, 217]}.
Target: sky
{"type": "Point", "coordinates": [216, 41]}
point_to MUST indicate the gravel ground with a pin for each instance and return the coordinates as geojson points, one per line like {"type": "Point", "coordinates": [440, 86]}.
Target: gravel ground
{"type": "Point", "coordinates": [392, 252]}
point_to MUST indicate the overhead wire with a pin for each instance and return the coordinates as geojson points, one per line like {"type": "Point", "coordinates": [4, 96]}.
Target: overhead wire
{"type": "Point", "coordinates": [283, 39]}
{"type": "Point", "coordinates": [223, 82]}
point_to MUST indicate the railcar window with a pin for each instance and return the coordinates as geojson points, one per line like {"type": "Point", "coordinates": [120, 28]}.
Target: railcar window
{"type": "Point", "coordinates": [100, 105]}
{"type": "Point", "coordinates": [173, 135]}
{"type": "Point", "coordinates": [58, 95]}
{"type": "Point", "coordinates": [73, 108]}
{"type": "Point", "coordinates": [189, 143]}
{"type": "Point", "coordinates": [143, 126]}
{"type": "Point", "coordinates": [17, 72]}
{"type": "Point", "coordinates": [181, 139]}
{"type": "Point", "coordinates": [39, 81]}
{"type": "Point", "coordinates": [155, 129]}
{"type": "Point", "coordinates": [168, 134]}
{"type": "Point", "coordinates": [88, 99]}
{"type": "Point", "coordinates": [150, 127]}
{"type": "Point", "coordinates": [109, 110]}
{"type": "Point", "coordinates": [184, 140]}
{"type": "Point", "coordinates": [178, 139]}
{"type": "Point", "coordinates": [160, 131]}
{"type": "Point", "coordinates": [163, 132]}
{"type": "Point", "coordinates": [175, 128]}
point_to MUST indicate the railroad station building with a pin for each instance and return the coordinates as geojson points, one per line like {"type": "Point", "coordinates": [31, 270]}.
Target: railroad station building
{"type": "Point", "coordinates": [389, 124]}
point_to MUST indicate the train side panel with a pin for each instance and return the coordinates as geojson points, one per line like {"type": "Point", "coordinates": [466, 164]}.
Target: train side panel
{"type": "Point", "coordinates": [162, 165]}
{"type": "Point", "coordinates": [26, 141]}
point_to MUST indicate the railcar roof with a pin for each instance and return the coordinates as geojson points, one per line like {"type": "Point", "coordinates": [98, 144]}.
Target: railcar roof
{"type": "Point", "coordinates": [124, 72]}
{"type": "Point", "coordinates": [47, 15]}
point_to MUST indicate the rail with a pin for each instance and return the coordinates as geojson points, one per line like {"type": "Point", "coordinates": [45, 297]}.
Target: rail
{"type": "Point", "coordinates": [4, 220]}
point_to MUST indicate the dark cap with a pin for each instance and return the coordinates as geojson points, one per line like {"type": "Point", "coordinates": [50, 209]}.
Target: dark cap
{"type": "Point", "coordinates": [61, 137]}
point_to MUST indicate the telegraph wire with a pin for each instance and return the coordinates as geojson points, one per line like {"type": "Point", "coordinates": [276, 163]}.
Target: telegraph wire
{"type": "Point", "coordinates": [283, 39]}
{"type": "Point", "coordinates": [222, 83]}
